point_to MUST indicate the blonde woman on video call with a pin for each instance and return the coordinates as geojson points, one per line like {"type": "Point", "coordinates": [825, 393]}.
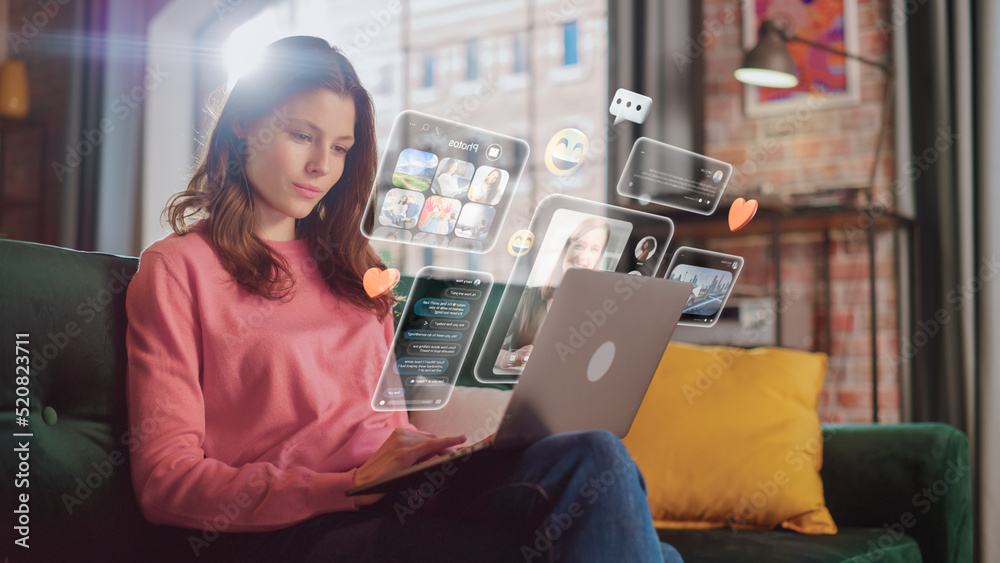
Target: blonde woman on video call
{"type": "Point", "coordinates": [584, 248]}
{"type": "Point", "coordinates": [255, 349]}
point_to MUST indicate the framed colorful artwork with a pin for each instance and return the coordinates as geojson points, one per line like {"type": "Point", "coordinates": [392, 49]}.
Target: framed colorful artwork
{"type": "Point", "coordinates": [825, 79]}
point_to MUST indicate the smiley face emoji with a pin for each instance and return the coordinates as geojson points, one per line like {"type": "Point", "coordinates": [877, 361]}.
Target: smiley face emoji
{"type": "Point", "coordinates": [520, 242]}
{"type": "Point", "coordinates": [565, 151]}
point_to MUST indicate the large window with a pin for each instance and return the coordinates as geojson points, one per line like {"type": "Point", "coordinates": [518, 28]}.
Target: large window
{"type": "Point", "coordinates": [500, 66]}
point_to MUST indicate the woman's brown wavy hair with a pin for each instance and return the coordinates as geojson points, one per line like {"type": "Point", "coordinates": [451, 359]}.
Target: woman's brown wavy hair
{"type": "Point", "coordinates": [220, 195]}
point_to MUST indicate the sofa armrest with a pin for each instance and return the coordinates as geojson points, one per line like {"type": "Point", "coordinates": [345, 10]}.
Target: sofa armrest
{"type": "Point", "coordinates": [905, 478]}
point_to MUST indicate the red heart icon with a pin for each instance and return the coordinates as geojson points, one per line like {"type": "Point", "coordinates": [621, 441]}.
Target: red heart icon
{"type": "Point", "coordinates": [379, 282]}
{"type": "Point", "coordinates": [741, 212]}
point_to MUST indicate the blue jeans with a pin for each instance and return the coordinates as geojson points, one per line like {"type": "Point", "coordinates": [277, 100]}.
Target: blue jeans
{"type": "Point", "coordinates": [569, 497]}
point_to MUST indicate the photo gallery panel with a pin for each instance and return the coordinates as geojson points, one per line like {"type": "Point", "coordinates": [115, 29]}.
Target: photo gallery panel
{"type": "Point", "coordinates": [436, 197]}
{"type": "Point", "coordinates": [444, 184]}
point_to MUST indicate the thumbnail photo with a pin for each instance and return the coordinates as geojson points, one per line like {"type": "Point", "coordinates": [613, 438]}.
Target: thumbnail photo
{"type": "Point", "coordinates": [391, 234]}
{"type": "Point", "coordinates": [475, 221]}
{"type": "Point", "coordinates": [439, 215]}
{"type": "Point", "coordinates": [645, 249]}
{"type": "Point", "coordinates": [453, 178]}
{"type": "Point", "coordinates": [401, 208]}
{"type": "Point", "coordinates": [414, 170]}
{"type": "Point", "coordinates": [428, 239]}
{"type": "Point", "coordinates": [710, 287]}
{"type": "Point", "coordinates": [488, 185]}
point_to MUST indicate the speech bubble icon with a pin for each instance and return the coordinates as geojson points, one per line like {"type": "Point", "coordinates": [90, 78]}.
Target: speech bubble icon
{"type": "Point", "coordinates": [629, 105]}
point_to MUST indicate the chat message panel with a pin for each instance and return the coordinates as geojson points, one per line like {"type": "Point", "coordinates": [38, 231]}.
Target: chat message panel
{"type": "Point", "coordinates": [432, 339]}
{"type": "Point", "coordinates": [660, 173]}
{"type": "Point", "coordinates": [441, 183]}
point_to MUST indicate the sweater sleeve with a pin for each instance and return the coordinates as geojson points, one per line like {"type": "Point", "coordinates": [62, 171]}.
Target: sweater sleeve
{"type": "Point", "coordinates": [175, 483]}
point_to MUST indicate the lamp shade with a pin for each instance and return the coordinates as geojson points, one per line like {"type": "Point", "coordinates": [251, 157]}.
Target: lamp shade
{"type": "Point", "coordinates": [13, 90]}
{"type": "Point", "coordinates": [769, 62]}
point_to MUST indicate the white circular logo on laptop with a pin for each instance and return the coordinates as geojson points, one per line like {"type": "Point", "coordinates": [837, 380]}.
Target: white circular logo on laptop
{"type": "Point", "coordinates": [600, 362]}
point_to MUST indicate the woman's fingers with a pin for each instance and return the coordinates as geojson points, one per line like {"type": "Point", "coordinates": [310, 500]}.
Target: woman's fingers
{"type": "Point", "coordinates": [437, 446]}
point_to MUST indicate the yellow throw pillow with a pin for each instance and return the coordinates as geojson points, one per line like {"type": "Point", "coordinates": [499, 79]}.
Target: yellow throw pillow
{"type": "Point", "coordinates": [730, 437]}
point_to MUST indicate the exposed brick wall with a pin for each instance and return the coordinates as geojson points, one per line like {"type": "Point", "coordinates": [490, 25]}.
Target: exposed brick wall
{"type": "Point", "coordinates": [832, 148]}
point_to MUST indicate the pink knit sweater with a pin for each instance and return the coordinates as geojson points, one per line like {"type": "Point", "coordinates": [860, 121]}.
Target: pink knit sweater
{"type": "Point", "coordinates": [246, 412]}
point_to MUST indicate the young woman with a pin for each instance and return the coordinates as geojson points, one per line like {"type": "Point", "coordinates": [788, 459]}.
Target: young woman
{"type": "Point", "coordinates": [487, 190]}
{"type": "Point", "coordinates": [254, 351]}
{"type": "Point", "coordinates": [584, 248]}
{"type": "Point", "coordinates": [648, 247]}
{"type": "Point", "coordinates": [447, 183]}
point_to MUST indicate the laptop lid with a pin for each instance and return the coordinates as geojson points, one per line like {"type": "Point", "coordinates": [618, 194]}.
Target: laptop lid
{"type": "Point", "coordinates": [595, 355]}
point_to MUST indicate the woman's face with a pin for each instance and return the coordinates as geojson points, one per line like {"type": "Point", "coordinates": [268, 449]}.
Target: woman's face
{"type": "Point", "coordinates": [493, 177]}
{"type": "Point", "coordinates": [586, 251]}
{"type": "Point", "coordinates": [453, 169]}
{"type": "Point", "coordinates": [295, 156]}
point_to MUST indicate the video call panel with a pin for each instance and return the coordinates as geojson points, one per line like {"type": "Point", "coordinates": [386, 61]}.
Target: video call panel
{"type": "Point", "coordinates": [569, 233]}
{"type": "Point", "coordinates": [712, 274]}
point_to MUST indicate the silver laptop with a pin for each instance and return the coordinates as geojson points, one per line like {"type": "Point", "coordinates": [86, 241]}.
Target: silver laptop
{"type": "Point", "coordinates": [592, 361]}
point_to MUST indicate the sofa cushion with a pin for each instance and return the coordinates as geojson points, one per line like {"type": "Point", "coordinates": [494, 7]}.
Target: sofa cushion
{"type": "Point", "coordinates": [71, 304]}
{"type": "Point", "coordinates": [912, 477]}
{"type": "Point", "coordinates": [730, 437]}
{"type": "Point", "coordinates": [849, 545]}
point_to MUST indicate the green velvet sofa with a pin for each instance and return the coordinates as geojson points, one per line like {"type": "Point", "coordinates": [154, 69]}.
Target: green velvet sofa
{"type": "Point", "coordinates": [897, 492]}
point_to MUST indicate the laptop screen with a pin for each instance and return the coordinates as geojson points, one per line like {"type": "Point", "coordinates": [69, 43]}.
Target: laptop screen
{"type": "Point", "coordinates": [569, 233]}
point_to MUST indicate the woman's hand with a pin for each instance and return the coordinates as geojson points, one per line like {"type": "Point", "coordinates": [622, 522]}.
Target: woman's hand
{"type": "Point", "coordinates": [400, 450]}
